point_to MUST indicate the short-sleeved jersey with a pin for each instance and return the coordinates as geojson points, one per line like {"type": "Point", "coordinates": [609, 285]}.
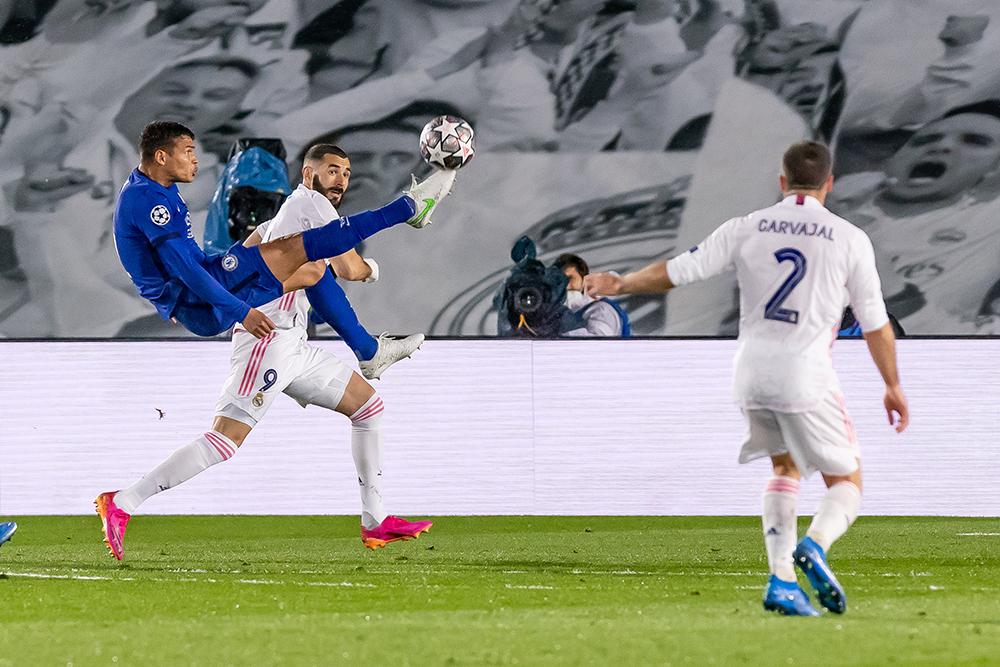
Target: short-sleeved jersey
{"type": "Point", "coordinates": [303, 209]}
{"type": "Point", "coordinates": [148, 214]}
{"type": "Point", "coordinates": [798, 266]}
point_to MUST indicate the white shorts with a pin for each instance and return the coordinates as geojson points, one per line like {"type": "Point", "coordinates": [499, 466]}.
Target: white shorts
{"type": "Point", "coordinates": [820, 439]}
{"type": "Point", "coordinates": [280, 362]}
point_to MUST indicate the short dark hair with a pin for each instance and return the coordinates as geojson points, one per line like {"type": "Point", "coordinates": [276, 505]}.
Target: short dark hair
{"type": "Point", "coordinates": [160, 135]}
{"type": "Point", "coordinates": [807, 165]}
{"type": "Point", "coordinates": [320, 151]}
{"type": "Point", "coordinates": [247, 67]}
{"type": "Point", "coordinates": [575, 261]}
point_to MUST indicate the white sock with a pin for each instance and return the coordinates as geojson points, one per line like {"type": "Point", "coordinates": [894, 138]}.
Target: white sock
{"type": "Point", "coordinates": [366, 448]}
{"type": "Point", "coordinates": [182, 465]}
{"type": "Point", "coordinates": [837, 511]}
{"type": "Point", "coordinates": [780, 530]}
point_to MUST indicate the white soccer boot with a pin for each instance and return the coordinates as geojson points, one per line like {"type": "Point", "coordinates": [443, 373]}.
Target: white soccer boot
{"type": "Point", "coordinates": [390, 350]}
{"type": "Point", "coordinates": [427, 194]}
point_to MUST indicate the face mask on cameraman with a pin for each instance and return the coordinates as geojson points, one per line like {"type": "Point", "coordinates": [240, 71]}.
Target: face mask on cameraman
{"type": "Point", "coordinates": [576, 299]}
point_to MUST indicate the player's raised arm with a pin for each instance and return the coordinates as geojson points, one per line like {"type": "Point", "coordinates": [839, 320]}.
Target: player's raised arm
{"type": "Point", "coordinates": [709, 258]}
{"type": "Point", "coordinates": [652, 279]}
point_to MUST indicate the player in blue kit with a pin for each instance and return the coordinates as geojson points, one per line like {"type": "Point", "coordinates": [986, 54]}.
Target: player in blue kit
{"type": "Point", "coordinates": [208, 295]}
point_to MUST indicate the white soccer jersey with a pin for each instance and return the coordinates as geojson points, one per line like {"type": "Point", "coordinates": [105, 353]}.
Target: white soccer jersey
{"type": "Point", "coordinates": [303, 209]}
{"type": "Point", "coordinates": [798, 265]}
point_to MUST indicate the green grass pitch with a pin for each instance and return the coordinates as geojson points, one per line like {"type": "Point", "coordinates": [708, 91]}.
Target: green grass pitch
{"type": "Point", "coordinates": [487, 590]}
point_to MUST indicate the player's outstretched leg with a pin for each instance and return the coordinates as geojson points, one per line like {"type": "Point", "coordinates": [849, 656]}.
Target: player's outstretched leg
{"type": "Point", "coordinates": [284, 256]}
{"type": "Point", "coordinates": [116, 507]}
{"type": "Point", "coordinates": [377, 527]}
{"type": "Point", "coordinates": [7, 530]}
{"type": "Point", "coordinates": [787, 598]}
{"type": "Point", "coordinates": [837, 511]}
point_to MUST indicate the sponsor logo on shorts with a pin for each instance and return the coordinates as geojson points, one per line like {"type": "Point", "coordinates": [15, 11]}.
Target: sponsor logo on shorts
{"type": "Point", "coordinates": [159, 215]}
{"type": "Point", "coordinates": [229, 262]}
{"type": "Point", "coordinates": [258, 400]}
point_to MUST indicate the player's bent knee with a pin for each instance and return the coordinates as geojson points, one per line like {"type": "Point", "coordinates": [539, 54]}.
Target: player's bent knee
{"type": "Point", "coordinates": [784, 466]}
{"type": "Point", "coordinates": [357, 394]}
{"type": "Point", "coordinates": [235, 430]}
{"type": "Point", "coordinates": [368, 417]}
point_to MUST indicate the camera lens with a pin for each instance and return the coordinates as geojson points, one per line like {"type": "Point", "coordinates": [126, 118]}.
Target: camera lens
{"type": "Point", "coordinates": [527, 299]}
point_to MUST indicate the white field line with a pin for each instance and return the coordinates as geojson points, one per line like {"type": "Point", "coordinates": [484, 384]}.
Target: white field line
{"type": "Point", "coordinates": [249, 582]}
{"type": "Point", "coordinates": [978, 534]}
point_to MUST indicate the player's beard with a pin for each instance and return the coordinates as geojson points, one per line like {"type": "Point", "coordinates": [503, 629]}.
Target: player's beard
{"type": "Point", "coordinates": [326, 192]}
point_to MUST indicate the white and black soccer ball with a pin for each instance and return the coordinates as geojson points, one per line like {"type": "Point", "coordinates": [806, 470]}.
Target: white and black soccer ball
{"type": "Point", "coordinates": [447, 142]}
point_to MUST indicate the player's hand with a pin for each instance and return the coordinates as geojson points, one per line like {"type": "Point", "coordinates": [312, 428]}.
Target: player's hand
{"type": "Point", "coordinates": [602, 284]}
{"type": "Point", "coordinates": [373, 265]}
{"type": "Point", "coordinates": [258, 323]}
{"type": "Point", "coordinates": [896, 408]}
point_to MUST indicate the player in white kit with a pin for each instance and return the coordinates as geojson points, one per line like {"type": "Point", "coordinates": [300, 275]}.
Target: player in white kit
{"type": "Point", "coordinates": [798, 267]}
{"type": "Point", "coordinates": [283, 362]}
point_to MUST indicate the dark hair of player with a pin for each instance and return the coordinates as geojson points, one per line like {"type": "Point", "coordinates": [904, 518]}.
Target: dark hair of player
{"type": "Point", "coordinates": [320, 151]}
{"type": "Point", "coordinates": [575, 261]}
{"type": "Point", "coordinates": [160, 135]}
{"type": "Point", "coordinates": [807, 165]}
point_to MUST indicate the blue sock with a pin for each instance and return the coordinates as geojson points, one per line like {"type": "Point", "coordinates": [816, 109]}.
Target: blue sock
{"type": "Point", "coordinates": [328, 299]}
{"type": "Point", "coordinates": [341, 235]}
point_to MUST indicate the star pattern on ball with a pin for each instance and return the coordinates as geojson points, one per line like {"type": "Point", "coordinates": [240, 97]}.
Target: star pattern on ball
{"type": "Point", "coordinates": [448, 129]}
{"type": "Point", "coordinates": [437, 156]}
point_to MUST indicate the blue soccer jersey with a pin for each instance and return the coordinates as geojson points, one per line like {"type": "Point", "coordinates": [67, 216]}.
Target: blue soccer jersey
{"type": "Point", "coordinates": [157, 248]}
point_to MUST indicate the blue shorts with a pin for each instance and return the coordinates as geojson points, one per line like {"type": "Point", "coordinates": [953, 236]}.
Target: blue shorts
{"type": "Point", "coordinates": [244, 274]}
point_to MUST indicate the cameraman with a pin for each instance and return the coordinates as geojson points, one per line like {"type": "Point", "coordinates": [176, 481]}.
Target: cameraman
{"type": "Point", "coordinates": [600, 317]}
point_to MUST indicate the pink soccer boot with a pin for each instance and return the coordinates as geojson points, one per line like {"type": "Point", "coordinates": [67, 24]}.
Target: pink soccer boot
{"type": "Point", "coordinates": [393, 529]}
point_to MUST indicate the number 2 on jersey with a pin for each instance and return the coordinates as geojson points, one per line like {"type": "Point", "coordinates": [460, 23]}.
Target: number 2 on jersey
{"type": "Point", "coordinates": [773, 309]}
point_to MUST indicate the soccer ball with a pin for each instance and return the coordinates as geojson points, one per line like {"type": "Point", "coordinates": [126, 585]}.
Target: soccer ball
{"type": "Point", "coordinates": [447, 142]}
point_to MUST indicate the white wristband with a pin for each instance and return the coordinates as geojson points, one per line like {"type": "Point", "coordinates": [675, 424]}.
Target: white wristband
{"type": "Point", "coordinates": [374, 267]}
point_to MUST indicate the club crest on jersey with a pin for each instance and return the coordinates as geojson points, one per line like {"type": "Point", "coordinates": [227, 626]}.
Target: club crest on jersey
{"type": "Point", "coordinates": [160, 215]}
{"type": "Point", "coordinates": [229, 262]}
{"type": "Point", "coordinates": [258, 399]}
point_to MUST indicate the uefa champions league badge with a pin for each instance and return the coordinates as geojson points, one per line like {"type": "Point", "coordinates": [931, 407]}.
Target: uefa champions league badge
{"type": "Point", "coordinates": [159, 215]}
{"type": "Point", "coordinates": [229, 262]}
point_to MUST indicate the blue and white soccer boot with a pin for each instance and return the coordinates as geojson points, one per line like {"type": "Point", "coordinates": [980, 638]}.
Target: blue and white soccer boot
{"type": "Point", "coordinates": [811, 559]}
{"type": "Point", "coordinates": [7, 530]}
{"type": "Point", "coordinates": [787, 598]}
